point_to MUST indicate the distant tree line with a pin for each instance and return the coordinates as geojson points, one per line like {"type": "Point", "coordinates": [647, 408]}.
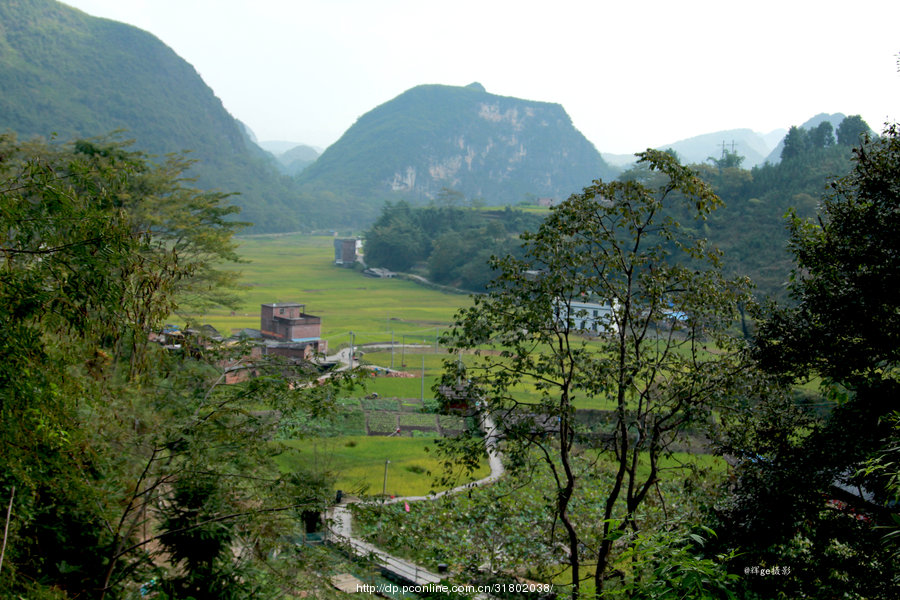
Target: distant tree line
{"type": "Point", "coordinates": [451, 245]}
{"type": "Point", "coordinates": [750, 228]}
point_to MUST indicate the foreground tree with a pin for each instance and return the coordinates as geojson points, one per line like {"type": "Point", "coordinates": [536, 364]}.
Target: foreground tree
{"type": "Point", "coordinates": [660, 357]}
{"type": "Point", "coordinates": [806, 497]}
{"type": "Point", "coordinates": [99, 428]}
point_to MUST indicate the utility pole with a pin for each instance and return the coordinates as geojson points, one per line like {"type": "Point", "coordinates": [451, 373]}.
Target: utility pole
{"type": "Point", "coordinates": [351, 349]}
{"type": "Point", "coordinates": [384, 485]}
{"type": "Point", "coordinates": [392, 349]}
{"type": "Point", "coordinates": [423, 372]}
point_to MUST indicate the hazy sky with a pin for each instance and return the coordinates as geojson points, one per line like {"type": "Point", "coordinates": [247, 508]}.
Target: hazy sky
{"type": "Point", "coordinates": [630, 74]}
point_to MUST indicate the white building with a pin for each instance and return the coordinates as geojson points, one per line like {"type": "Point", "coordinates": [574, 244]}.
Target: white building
{"type": "Point", "coordinates": [591, 317]}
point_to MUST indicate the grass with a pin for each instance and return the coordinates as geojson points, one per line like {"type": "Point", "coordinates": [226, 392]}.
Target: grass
{"type": "Point", "coordinates": [298, 268]}
{"type": "Point", "coordinates": [395, 387]}
{"type": "Point", "coordinates": [358, 463]}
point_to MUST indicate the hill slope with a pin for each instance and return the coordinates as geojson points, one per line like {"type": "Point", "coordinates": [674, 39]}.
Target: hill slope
{"type": "Point", "coordinates": [65, 72]}
{"type": "Point", "coordinates": [698, 149]}
{"type": "Point", "coordinates": [499, 149]}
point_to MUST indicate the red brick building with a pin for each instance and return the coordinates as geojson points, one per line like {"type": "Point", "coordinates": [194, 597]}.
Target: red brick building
{"type": "Point", "coordinates": [287, 322]}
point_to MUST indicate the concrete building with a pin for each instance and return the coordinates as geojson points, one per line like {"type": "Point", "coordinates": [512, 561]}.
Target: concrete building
{"type": "Point", "coordinates": [590, 317]}
{"type": "Point", "coordinates": [346, 251]}
{"type": "Point", "coordinates": [287, 322]}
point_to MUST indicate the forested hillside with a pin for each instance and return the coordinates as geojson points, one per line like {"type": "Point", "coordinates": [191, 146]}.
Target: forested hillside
{"type": "Point", "coordinates": [66, 73]}
{"type": "Point", "coordinates": [750, 228]}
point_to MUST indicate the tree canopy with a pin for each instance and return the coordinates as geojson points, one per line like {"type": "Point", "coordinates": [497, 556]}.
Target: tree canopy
{"type": "Point", "coordinates": [453, 243]}
{"type": "Point", "coordinates": [804, 488]}
{"type": "Point", "coordinates": [113, 449]}
{"type": "Point", "coordinates": [665, 305]}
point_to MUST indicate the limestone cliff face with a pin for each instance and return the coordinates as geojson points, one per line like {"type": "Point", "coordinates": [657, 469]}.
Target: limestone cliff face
{"type": "Point", "coordinates": [500, 149]}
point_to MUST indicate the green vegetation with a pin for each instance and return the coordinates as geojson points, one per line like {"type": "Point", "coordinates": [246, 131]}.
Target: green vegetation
{"type": "Point", "coordinates": [842, 327]}
{"type": "Point", "coordinates": [70, 75]}
{"type": "Point", "coordinates": [452, 246]}
{"type": "Point", "coordinates": [613, 245]}
{"type": "Point", "coordinates": [750, 228]}
{"type": "Point", "coordinates": [506, 525]}
{"type": "Point", "coordinates": [502, 150]}
{"type": "Point", "coordinates": [356, 463]}
{"type": "Point", "coordinates": [456, 244]}
{"type": "Point", "coordinates": [125, 462]}
{"type": "Point", "coordinates": [122, 461]}
{"type": "Point", "coordinates": [299, 268]}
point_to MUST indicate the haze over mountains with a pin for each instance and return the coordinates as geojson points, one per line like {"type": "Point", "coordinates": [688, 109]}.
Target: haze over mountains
{"type": "Point", "coordinates": [66, 73]}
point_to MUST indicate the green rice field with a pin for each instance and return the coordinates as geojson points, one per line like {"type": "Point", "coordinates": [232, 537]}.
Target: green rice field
{"type": "Point", "coordinates": [299, 268]}
{"type": "Point", "coordinates": [358, 463]}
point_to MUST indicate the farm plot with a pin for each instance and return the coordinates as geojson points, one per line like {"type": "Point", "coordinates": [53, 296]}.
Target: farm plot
{"type": "Point", "coordinates": [382, 422]}
{"type": "Point", "coordinates": [359, 464]}
{"type": "Point", "coordinates": [298, 268]}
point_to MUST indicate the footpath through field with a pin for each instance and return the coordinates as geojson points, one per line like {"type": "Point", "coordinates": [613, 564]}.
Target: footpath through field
{"type": "Point", "coordinates": [341, 520]}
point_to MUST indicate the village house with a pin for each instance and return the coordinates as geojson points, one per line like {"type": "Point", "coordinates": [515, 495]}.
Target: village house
{"type": "Point", "coordinates": [347, 251]}
{"type": "Point", "coordinates": [288, 323]}
{"type": "Point", "coordinates": [591, 317]}
{"type": "Point", "coordinates": [286, 330]}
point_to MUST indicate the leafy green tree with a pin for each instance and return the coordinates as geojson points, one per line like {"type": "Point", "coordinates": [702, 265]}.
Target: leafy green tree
{"type": "Point", "coordinates": [477, 273]}
{"type": "Point", "coordinates": [842, 327]}
{"type": "Point", "coordinates": [852, 131]}
{"type": "Point", "coordinates": [652, 360]}
{"type": "Point", "coordinates": [396, 241]}
{"type": "Point", "coordinates": [197, 541]}
{"type": "Point", "coordinates": [728, 160]}
{"type": "Point", "coordinates": [822, 135]}
{"type": "Point", "coordinates": [796, 143]}
{"type": "Point", "coordinates": [885, 466]}
{"type": "Point", "coordinates": [98, 424]}
{"type": "Point", "coordinates": [846, 319]}
{"type": "Point", "coordinates": [449, 254]}
{"type": "Point", "coordinates": [454, 243]}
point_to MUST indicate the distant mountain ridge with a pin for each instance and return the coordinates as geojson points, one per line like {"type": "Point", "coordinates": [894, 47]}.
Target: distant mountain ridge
{"type": "Point", "coordinates": [64, 72]}
{"type": "Point", "coordinates": [296, 158]}
{"type": "Point", "coordinates": [432, 137]}
{"type": "Point", "coordinates": [745, 142]}
{"type": "Point", "coordinates": [752, 145]}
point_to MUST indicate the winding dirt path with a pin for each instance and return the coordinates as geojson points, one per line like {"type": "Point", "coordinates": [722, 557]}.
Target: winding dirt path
{"type": "Point", "coordinates": [341, 519]}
